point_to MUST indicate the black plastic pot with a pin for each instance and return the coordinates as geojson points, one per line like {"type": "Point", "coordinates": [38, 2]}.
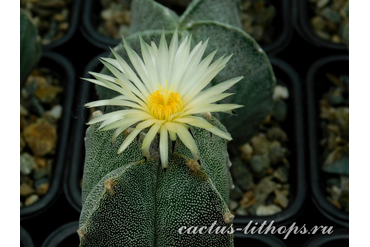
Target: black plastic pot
{"type": "Point", "coordinates": [283, 21]}
{"type": "Point", "coordinates": [64, 71]}
{"type": "Point", "coordinates": [265, 240]}
{"type": "Point", "coordinates": [338, 238]}
{"type": "Point", "coordinates": [90, 19]}
{"type": "Point", "coordinates": [284, 27]}
{"type": "Point", "coordinates": [302, 14]}
{"type": "Point", "coordinates": [72, 188]}
{"type": "Point", "coordinates": [26, 240]}
{"type": "Point", "coordinates": [73, 24]}
{"type": "Point", "coordinates": [66, 235]}
{"type": "Point", "coordinates": [317, 84]}
{"type": "Point", "coordinates": [293, 126]}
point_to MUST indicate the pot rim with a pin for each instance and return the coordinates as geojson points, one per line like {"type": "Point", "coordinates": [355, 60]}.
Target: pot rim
{"type": "Point", "coordinates": [71, 185]}
{"type": "Point", "coordinates": [321, 239]}
{"type": "Point", "coordinates": [268, 239]}
{"type": "Point", "coordinates": [295, 208]}
{"type": "Point", "coordinates": [63, 134]}
{"type": "Point", "coordinates": [73, 23]}
{"type": "Point", "coordinates": [318, 197]}
{"type": "Point", "coordinates": [57, 236]}
{"type": "Point", "coordinates": [305, 30]}
{"type": "Point", "coordinates": [26, 239]}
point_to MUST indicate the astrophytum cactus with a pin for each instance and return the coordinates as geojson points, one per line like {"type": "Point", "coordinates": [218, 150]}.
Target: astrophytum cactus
{"type": "Point", "coordinates": [157, 169]}
{"type": "Point", "coordinates": [132, 201]}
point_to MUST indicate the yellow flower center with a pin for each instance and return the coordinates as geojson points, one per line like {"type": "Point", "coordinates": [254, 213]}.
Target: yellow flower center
{"type": "Point", "coordinates": [163, 103]}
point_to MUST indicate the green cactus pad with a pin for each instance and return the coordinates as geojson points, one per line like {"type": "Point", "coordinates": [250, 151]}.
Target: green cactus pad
{"type": "Point", "coordinates": [227, 12]}
{"type": "Point", "coordinates": [135, 202]}
{"type": "Point", "coordinates": [150, 15]}
{"type": "Point", "coordinates": [255, 90]}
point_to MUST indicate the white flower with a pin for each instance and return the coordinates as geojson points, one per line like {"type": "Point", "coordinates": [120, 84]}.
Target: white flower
{"type": "Point", "coordinates": [166, 95]}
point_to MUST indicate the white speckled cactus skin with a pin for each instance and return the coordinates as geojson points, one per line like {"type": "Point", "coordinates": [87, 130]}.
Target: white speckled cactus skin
{"type": "Point", "coordinates": [130, 201]}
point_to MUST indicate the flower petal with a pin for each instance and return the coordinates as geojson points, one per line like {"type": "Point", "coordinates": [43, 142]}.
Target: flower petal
{"type": "Point", "coordinates": [124, 83]}
{"type": "Point", "coordinates": [128, 71]}
{"type": "Point", "coordinates": [150, 135]}
{"type": "Point", "coordinates": [219, 88]}
{"type": "Point", "coordinates": [128, 140]}
{"type": "Point", "coordinates": [208, 75]}
{"type": "Point", "coordinates": [125, 122]}
{"type": "Point", "coordinates": [192, 64]}
{"type": "Point", "coordinates": [133, 134]}
{"type": "Point", "coordinates": [114, 102]}
{"type": "Point", "coordinates": [202, 123]}
{"type": "Point", "coordinates": [211, 108]}
{"type": "Point", "coordinates": [163, 146]}
{"type": "Point", "coordinates": [163, 60]}
{"type": "Point", "coordinates": [201, 68]}
{"type": "Point", "coordinates": [180, 62]}
{"type": "Point", "coordinates": [207, 100]}
{"type": "Point", "coordinates": [105, 116]}
{"type": "Point", "coordinates": [139, 67]}
{"type": "Point", "coordinates": [187, 139]}
{"type": "Point", "coordinates": [106, 84]}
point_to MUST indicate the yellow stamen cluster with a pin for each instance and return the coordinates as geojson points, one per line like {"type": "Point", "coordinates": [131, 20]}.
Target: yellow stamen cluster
{"type": "Point", "coordinates": [163, 103]}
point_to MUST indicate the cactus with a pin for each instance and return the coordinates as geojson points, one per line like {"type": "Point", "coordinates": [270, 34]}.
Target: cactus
{"type": "Point", "coordinates": [132, 201]}
{"type": "Point", "coordinates": [222, 29]}
{"type": "Point", "coordinates": [30, 47]}
{"type": "Point", "coordinates": [168, 192]}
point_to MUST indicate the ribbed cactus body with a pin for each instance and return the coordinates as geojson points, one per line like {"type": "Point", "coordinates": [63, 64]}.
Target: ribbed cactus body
{"type": "Point", "coordinates": [132, 201]}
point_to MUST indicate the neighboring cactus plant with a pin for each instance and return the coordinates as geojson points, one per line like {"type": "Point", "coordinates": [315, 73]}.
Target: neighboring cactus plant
{"type": "Point", "coordinates": [30, 47]}
{"type": "Point", "coordinates": [146, 194]}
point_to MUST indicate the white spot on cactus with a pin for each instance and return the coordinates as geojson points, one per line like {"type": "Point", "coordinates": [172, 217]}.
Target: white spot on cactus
{"type": "Point", "coordinates": [108, 186]}
{"type": "Point", "coordinates": [166, 12]}
{"type": "Point", "coordinates": [228, 218]}
{"type": "Point", "coordinates": [80, 233]}
{"type": "Point", "coordinates": [190, 24]}
{"type": "Point", "coordinates": [207, 116]}
{"type": "Point", "coordinates": [97, 114]}
{"type": "Point", "coordinates": [229, 164]}
{"type": "Point", "coordinates": [129, 130]}
{"type": "Point", "coordinates": [193, 165]}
